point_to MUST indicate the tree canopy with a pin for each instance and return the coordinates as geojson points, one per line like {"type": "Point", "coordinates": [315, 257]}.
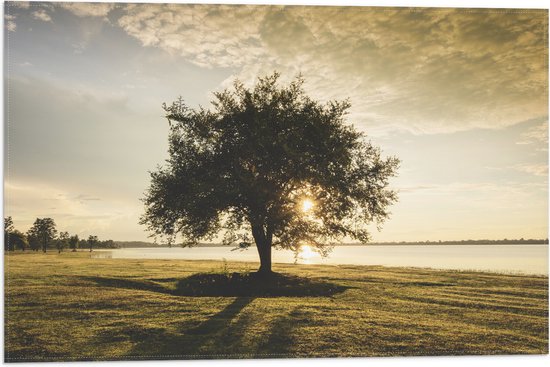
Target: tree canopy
{"type": "Point", "coordinates": [73, 242]}
{"type": "Point", "coordinates": [18, 240]}
{"type": "Point", "coordinates": [12, 237]}
{"type": "Point", "coordinates": [8, 229]}
{"type": "Point", "coordinates": [92, 242]}
{"type": "Point", "coordinates": [8, 225]}
{"type": "Point", "coordinates": [268, 165]}
{"type": "Point", "coordinates": [42, 232]}
{"type": "Point", "coordinates": [62, 241]}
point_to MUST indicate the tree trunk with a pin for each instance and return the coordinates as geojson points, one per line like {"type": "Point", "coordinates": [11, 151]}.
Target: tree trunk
{"type": "Point", "coordinates": [263, 241]}
{"type": "Point", "coordinates": [264, 250]}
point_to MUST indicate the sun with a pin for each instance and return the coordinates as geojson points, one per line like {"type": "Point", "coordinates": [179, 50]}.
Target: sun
{"type": "Point", "coordinates": [307, 205]}
{"type": "Point", "coordinates": [306, 252]}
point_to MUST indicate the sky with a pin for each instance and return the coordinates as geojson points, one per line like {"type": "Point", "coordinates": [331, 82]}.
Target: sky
{"type": "Point", "coordinates": [459, 95]}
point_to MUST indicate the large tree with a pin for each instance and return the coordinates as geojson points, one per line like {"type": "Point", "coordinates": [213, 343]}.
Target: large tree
{"type": "Point", "coordinates": [42, 231]}
{"type": "Point", "coordinates": [271, 162]}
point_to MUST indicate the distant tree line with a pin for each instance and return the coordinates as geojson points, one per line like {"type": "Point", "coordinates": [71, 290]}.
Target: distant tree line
{"type": "Point", "coordinates": [521, 241]}
{"type": "Point", "coordinates": [43, 235]}
{"type": "Point", "coordinates": [138, 244]}
{"type": "Point", "coordinates": [141, 244]}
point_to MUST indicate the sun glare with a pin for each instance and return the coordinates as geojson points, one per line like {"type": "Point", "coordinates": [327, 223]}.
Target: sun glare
{"type": "Point", "coordinates": [307, 205]}
{"type": "Point", "coordinates": [306, 252]}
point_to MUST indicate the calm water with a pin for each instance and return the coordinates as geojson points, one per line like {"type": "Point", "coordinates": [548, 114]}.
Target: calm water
{"type": "Point", "coordinates": [526, 259]}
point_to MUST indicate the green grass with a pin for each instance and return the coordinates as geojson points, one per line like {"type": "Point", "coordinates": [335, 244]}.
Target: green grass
{"type": "Point", "coordinates": [72, 307]}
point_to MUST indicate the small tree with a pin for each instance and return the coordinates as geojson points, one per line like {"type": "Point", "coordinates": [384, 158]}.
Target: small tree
{"type": "Point", "coordinates": [82, 243]}
{"type": "Point", "coordinates": [270, 162]}
{"type": "Point", "coordinates": [43, 231]}
{"type": "Point", "coordinates": [73, 242]}
{"type": "Point", "coordinates": [19, 240]}
{"type": "Point", "coordinates": [33, 240]}
{"type": "Point", "coordinates": [8, 224]}
{"type": "Point", "coordinates": [108, 244]}
{"type": "Point", "coordinates": [13, 239]}
{"type": "Point", "coordinates": [62, 241]}
{"type": "Point", "coordinates": [8, 230]}
{"type": "Point", "coordinates": [92, 241]}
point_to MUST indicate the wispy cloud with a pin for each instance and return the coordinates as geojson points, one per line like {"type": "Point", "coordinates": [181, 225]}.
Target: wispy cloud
{"type": "Point", "coordinates": [10, 17]}
{"type": "Point", "coordinates": [535, 134]}
{"type": "Point", "coordinates": [430, 70]}
{"type": "Point", "coordinates": [209, 36]}
{"type": "Point", "coordinates": [20, 4]}
{"type": "Point", "coordinates": [10, 24]}
{"type": "Point", "coordinates": [530, 168]}
{"type": "Point", "coordinates": [534, 169]}
{"type": "Point", "coordinates": [80, 213]}
{"type": "Point", "coordinates": [82, 198]}
{"type": "Point", "coordinates": [41, 14]}
{"type": "Point", "coordinates": [508, 191]}
{"type": "Point", "coordinates": [87, 9]}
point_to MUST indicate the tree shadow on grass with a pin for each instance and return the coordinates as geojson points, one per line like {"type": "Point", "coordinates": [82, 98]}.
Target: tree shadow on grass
{"type": "Point", "coordinates": [187, 340]}
{"type": "Point", "coordinates": [222, 334]}
{"type": "Point", "coordinates": [225, 334]}
{"type": "Point", "coordinates": [231, 285]}
{"type": "Point", "coordinates": [142, 285]}
{"type": "Point", "coordinates": [252, 285]}
{"type": "Point", "coordinates": [280, 339]}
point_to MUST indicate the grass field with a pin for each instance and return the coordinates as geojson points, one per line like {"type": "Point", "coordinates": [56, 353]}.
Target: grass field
{"type": "Point", "coordinates": [72, 307]}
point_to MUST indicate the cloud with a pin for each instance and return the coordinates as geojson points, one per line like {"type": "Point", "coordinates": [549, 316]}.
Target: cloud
{"type": "Point", "coordinates": [20, 4]}
{"type": "Point", "coordinates": [81, 198]}
{"type": "Point", "coordinates": [10, 18]}
{"type": "Point", "coordinates": [414, 189]}
{"type": "Point", "coordinates": [533, 169]}
{"type": "Point", "coordinates": [41, 15]}
{"type": "Point", "coordinates": [479, 187]}
{"type": "Point", "coordinates": [23, 197]}
{"type": "Point", "coordinates": [10, 22]}
{"type": "Point", "coordinates": [535, 134]}
{"type": "Point", "coordinates": [426, 71]}
{"type": "Point", "coordinates": [87, 9]}
{"type": "Point", "coordinates": [208, 36]}
{"type": "Point", "coordinates": [475, 197]}
{"type": "Point", "coordinates": [76, 213]}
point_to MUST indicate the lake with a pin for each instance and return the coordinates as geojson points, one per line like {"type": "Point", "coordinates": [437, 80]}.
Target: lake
{"type": "Point", "coordinates": [521, 259]}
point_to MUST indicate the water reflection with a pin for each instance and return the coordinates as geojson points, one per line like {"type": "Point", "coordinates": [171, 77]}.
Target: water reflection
{"type": "Point", "coordinates": [102, 254]}
{"type": "Point", "coordinates": [307, 255]}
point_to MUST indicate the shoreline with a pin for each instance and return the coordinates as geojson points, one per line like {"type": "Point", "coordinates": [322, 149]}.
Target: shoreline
{"type": "Point", "coordinates": [255, 264]}
{"type": "Point", "coordinates": [381, 244]}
